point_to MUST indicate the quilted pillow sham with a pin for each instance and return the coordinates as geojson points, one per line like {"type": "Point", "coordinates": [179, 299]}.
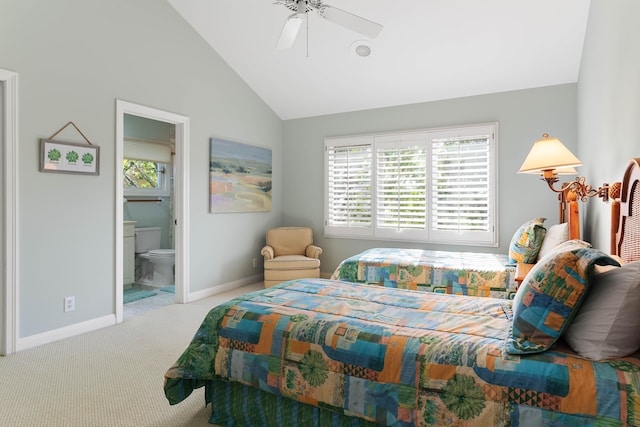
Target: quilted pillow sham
{"type": "Point", "coordinates": [526, 241]}
{"type": "Point", "coordinates": [549, 297]}
{"type": "Point", "coordinates": [607, 325]}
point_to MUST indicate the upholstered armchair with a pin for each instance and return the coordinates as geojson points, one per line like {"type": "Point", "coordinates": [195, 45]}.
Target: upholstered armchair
{"type": "Point", "coordinates": [290, 254]}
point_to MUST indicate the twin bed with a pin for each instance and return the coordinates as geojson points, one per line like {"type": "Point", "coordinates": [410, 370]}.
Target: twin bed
{"type": "Point", "coordinates": [316, 352]}
{"type": "Point", "coordinates": [457, 273]}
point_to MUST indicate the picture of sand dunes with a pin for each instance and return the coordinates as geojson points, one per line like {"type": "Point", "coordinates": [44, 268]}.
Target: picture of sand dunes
{"type": "Point", "coordinates": [239, 177]}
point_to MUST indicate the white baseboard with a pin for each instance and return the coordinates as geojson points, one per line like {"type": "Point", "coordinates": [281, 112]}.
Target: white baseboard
{"type": "Point", "coordinates": [326, 275]}
{"type": "Point", "coordinates": [66, 332]}
{"type": "Point", "coordinates": [110, 320]}
{"type": "Point", "coordinates": [218, 289]}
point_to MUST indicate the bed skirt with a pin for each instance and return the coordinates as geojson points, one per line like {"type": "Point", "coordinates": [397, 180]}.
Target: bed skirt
{"type": "Point", "coordinates": [235, 404]}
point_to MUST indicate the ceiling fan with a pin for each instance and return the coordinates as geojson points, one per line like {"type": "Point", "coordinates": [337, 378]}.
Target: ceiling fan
{"type": "Point", "coordinates": [338, 16]}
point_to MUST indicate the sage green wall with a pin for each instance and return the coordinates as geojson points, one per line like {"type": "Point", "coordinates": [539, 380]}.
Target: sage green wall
{"type": "Point", "coordinates": [608, 104]}
{"type": "Point", "coordinates": [2, 219]}
{"type": "Point", "coordinates": [74, 59]}
{"type": "Point", "coordinates": [523, 117]}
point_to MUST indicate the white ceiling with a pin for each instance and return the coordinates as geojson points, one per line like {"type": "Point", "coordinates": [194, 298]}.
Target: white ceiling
{"type": "Point", "coordinates": [428, 50]}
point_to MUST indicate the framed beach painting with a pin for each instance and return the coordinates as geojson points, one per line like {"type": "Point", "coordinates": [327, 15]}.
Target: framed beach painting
{"type": "Point", "coordinates": [239, 177]}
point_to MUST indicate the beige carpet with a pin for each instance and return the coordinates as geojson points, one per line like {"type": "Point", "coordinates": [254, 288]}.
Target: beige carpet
{"type": "Point", "coordinates": [110, 377]}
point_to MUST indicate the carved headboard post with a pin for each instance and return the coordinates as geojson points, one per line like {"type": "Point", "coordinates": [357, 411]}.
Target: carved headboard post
{"type": "Point", "coordinates": [574, 215]}
{"type": "Point", "coordinates": [569, 212]}
{"type": "Point", "coordinates": [614, 195]}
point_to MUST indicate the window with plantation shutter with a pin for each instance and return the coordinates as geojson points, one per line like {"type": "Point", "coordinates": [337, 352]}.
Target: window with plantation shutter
{"type": "Point", "coordinates": [461, 186]}
{"type": "Point", "coordinates": [432, 185]}
{"type": "Point", "coordinates": [401, 184]}
{"type": "Point", "coordinates": [348, 189]}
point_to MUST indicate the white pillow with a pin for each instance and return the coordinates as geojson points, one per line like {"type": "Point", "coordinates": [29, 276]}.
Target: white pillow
{"type": "Point", "coordinates": [556, 234]}
{"type": "Point", "coordinates": [607, 325]}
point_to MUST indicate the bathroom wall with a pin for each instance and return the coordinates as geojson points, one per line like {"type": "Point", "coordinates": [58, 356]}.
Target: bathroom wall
{"type": "Point", "coordinates": [152, 215]}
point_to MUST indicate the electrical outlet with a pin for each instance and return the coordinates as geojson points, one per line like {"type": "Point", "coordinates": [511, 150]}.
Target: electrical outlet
{"type": "Point", "coordinates": [69, 304]}
{"type": "Point", "coordinates": [255, 262]}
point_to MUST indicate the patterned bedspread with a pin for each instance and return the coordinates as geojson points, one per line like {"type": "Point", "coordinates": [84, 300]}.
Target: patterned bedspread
{"type": "Point", "coordinates": [459, 273]}
{"type": "Point", "coordinates": [399, 358]}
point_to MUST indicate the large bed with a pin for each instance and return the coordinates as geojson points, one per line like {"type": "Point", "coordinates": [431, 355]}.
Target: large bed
{"type": "Point", "coordinates": [316, 352]}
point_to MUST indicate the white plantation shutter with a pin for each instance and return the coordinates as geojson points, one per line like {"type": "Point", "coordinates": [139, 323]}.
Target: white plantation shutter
{"type": "Point", "coordinates": [348, 188]}
{"type": "Point", "coordinates": [428, 186]}
{"type": "Point", "coordinates": [460, 184]}
{"type": "Point", "coordinates": [401, 183]}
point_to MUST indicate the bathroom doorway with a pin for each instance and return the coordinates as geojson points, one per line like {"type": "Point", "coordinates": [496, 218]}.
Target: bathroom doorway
{"type": "Point", "coordinates": [160, 141]}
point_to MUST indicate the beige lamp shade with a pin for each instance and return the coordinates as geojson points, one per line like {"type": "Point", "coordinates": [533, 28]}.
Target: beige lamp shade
{"type": "Point", "coordinates": [550, 154]}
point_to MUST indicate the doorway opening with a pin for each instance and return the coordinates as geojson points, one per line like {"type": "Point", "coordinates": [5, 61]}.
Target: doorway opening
{"type": "Point", "coordinates": [154, 176]}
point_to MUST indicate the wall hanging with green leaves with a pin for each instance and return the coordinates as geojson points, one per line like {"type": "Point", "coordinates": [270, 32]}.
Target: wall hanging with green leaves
{"type": "Point", "coordinates": [69, 157]}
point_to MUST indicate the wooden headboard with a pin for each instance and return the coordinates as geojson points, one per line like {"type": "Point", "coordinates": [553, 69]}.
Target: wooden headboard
{"type": "Point", "coordinates": [625, 214]}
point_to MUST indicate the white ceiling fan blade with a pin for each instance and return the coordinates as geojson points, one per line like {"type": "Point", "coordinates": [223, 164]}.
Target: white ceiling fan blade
{"type": "Point", "coordinates": [290, 31]}
{"type": "Point", "coordinates": [349, 20]}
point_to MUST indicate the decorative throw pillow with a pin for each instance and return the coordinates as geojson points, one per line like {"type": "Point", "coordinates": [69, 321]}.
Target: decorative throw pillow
{"type": "Point", "coordinates": [526, 241]}
{"type": "Point", "coordinates": [556, 234]}
{"type": "Point", "coordinates": [607, 325]}
{"type": "Point", "coordinates": [549, 297]}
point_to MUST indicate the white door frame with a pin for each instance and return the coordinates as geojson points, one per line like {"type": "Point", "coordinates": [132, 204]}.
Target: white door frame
{"type": "Point", "coordinates": [9, 281]}
{"type": "Point", "coordinates": [181, 182]}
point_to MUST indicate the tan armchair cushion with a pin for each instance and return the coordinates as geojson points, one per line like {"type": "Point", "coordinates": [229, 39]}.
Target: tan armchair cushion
{"type": "Point", "coordinates": [291, 262]}
{"type": "Point", "coordinates": [289, 240]}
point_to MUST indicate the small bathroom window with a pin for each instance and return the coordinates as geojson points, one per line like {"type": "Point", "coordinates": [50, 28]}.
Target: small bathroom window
{"type": "Point", "coordinates": [146, 167]}
{"type": "Point", "coordinates": [145, 178]}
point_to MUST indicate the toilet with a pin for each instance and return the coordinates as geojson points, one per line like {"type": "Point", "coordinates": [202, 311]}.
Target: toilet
{"type": "Point", "coordinates": [155, 264]}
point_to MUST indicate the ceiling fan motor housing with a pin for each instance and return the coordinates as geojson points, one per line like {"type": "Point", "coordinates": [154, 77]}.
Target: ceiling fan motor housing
{"type": "Point", "coordinates": [300, 6]}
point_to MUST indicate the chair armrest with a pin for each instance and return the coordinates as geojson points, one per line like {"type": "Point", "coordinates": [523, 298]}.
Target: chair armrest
{"type": "Point", "coordinates": [313, 251]}
{"type": "Point", "coordinates": [267, 252]}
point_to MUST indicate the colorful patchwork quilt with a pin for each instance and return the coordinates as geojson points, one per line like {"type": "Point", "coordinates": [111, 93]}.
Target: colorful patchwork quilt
{"type": "Point", "coordinates": [458, 273]}
{"type": "Point", "coordinates": [393, 358]}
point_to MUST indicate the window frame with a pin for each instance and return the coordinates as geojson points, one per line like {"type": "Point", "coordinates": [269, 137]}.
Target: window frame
{"type": "Point", "coordinates": [488, 237]}
{"type": "Point", "coordinates": [164, 177]}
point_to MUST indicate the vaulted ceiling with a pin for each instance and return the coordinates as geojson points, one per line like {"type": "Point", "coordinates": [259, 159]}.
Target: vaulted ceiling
{"type": "Point", "coordinates": [428, 50]}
